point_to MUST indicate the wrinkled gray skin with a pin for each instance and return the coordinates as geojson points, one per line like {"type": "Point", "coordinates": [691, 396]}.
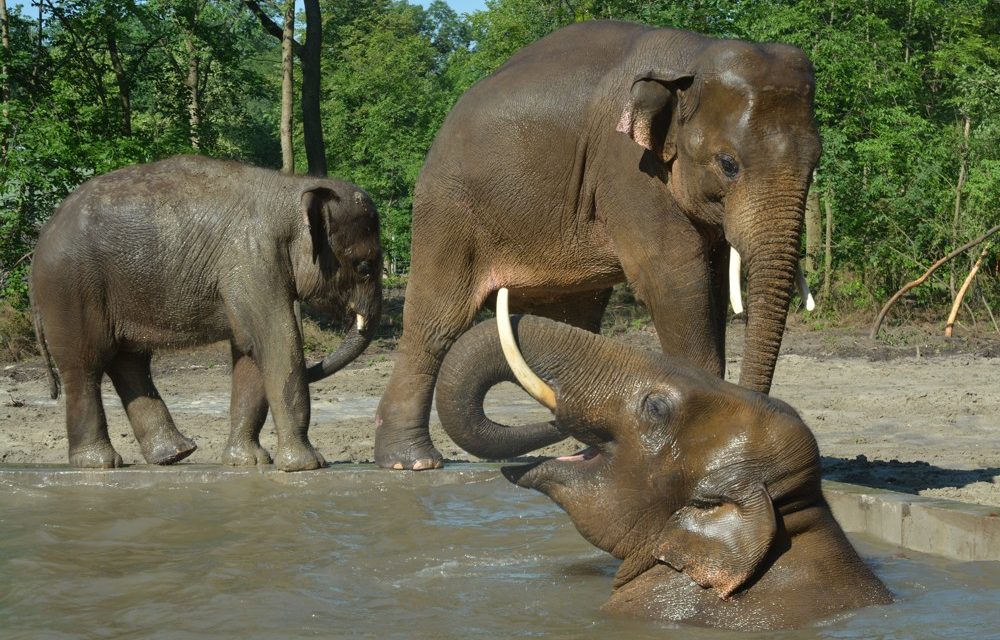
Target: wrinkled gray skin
{"type": "Point", "coordinates": [708, 492]}
{"type": "Point", "coordinates": [609, 152]}
{"type": "Point", "coordinates": [188, 251]}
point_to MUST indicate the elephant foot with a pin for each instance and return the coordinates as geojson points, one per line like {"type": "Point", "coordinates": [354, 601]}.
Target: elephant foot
{"type": "Point", "coordinates": [407, 456]}
{"type": "Point", "coordinates": [167, 447]}
{"type": "Point", "coordinates": [96, 456]}
{"type": "Point", "coordinates": [299, 457]}
{"type": "Point", "coordinates": [245, 454]}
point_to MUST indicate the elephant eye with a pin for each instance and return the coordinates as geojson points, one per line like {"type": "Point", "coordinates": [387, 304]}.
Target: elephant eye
{"type": "Point", "coordinates": [657, 407]}
{"type": "Point", "coordinates": [728, 165]}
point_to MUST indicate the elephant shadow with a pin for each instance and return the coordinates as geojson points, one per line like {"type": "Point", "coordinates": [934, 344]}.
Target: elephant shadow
{"type": "Point", "coordinates": [904, 477]}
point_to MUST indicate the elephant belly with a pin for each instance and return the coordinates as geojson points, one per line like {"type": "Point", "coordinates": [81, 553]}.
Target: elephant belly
{"type": "Point", "coordinates": [143, 327]}
{"type": "Point", "coordinates": [556, 274]}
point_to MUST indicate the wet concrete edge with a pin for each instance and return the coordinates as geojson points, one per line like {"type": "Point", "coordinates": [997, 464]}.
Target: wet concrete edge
{"type": "Point", "coordinates": [955, 530]}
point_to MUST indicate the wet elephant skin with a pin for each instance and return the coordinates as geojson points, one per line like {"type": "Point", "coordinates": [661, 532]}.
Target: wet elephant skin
{"type": "Point", "coordinates": [609, 152]}
{"type": "Point", "coordinates": [188, 251]}
{"type": "Point", "coordinates": [708, 492]}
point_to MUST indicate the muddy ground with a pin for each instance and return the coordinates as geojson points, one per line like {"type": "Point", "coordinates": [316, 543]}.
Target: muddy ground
{"type": "Point", "coordinates": [912, 412]}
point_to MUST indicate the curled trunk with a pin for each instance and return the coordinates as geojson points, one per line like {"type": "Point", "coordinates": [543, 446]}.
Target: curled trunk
{"type": "Point", "coordinates": [368, 308]}
{"type": "Point", "coordinates": [473, 366]}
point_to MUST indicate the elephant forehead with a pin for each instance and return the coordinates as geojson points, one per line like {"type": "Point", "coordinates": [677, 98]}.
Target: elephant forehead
{"type": "Point", "coordinates": [718, 430]}
{"type": "Point", "coordinates": [756, 64]}
{"type": "Point", "coordinates": [737, 97]}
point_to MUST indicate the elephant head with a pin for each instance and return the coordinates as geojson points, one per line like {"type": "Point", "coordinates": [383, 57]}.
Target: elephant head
{"type": "Point", "coordinates": [709, 493]}
{"type": "Point", "coordinates": [733, 129]}
{"type": "Point", "coordinates": [340, 264]}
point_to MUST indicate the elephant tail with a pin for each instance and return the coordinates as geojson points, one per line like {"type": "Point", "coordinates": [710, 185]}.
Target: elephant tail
{"type": "Point", "coordinates": [50, 368]}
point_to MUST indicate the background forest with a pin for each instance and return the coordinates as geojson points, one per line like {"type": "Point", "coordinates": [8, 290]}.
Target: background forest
{"type": "Point", "coordinates": [907, 103]}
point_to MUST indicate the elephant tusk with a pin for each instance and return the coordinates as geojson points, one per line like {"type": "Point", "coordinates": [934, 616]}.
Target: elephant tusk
{"type": "Point", "coordinates": [804, 293]}
{"type": "Point", "coordinates": [534, 385]}
{"type": "Point", "coordinates": [361, 322]}
{"type": "Point", "coordinates": [735, 296]}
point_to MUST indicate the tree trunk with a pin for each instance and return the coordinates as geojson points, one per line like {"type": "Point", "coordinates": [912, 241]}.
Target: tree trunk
{"type": "Point", "coordinates": [309, 57]}
{"type": "Point", "coordinates": [813, 224]}
{"type": "Point", "coordinates": [312, 125]}
{"type": "Point", "coordinates": [5, 39]}
{"type": "Point", "coordinates": [828, 250]}
{"type": "Point", "coordinates": [124, 88]}
{"type": "Point", "coordinates": [5, 70]}
{"type": "Point", "coordinates": [193, 89]}
{"type": "Point", "coordinates": [287, 89]}
{"type": "Point", "coordinates": [962, 171]}
{"type": "Point", "coordinates": [39, 49]}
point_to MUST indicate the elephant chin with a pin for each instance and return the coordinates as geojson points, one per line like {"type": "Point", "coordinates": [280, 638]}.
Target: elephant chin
{"type": "Point", "coordinates": [544, 474]}
{"type": "Point", "coordinates": [523, 475]}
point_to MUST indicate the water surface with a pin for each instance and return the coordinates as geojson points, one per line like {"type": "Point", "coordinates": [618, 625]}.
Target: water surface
{"type": "Point", "coordinates": [351, 553]}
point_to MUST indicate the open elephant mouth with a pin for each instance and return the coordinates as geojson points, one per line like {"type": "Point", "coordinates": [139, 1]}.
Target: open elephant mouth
{"type": "Point", "coordinates": [562, 469]}
{"type": "Point", "coordinates": [559, 470]}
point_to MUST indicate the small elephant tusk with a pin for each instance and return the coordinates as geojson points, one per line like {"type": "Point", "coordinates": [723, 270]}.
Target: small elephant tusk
{"type": "Point", "coordinates": [534, 385]}
{"type": "Point", "coordinates": [804, 293]}
{"type": "Point", "coordinates": [361, 322]}
{"type": "Point", "coordinates": [735, 295]}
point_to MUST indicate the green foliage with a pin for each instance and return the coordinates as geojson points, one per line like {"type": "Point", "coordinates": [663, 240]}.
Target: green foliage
{"type": "Point", "coordinates": [386, 97]}
{"type": "Point", "coordinates": [896, 82]}
{"type": "Point", "coordinates": [105, 88]}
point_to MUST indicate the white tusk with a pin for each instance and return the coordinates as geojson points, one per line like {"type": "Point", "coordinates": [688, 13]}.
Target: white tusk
{"type": "Point", "coordinates": [804, 293]}
{"type": "Point", "coordinates": [361, 322]}
{"type": "Point", "coordinates": [735, 296]}
{"type": "Point", "coordinates": [534, 385]}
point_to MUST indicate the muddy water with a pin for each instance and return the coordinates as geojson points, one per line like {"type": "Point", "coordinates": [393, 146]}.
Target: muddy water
{"type": "Point", "coordinates": [202, 553]}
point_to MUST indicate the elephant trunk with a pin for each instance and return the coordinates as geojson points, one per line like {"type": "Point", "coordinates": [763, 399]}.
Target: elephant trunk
{"type": "Point", "coordinates": [472, 367]}
{"type": "Point", "coordinates": [367, 305]}
{"type": "Point", "coordinates": [770, 277]}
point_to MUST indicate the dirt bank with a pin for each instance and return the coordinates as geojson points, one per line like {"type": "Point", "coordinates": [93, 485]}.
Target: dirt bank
{"type": "Point", "coordinates": [913, 413]}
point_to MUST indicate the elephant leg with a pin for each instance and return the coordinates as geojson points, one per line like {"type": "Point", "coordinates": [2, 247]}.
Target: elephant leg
{"type": "Point", "coordinates": [86, 423]}
{"type": "Point", "coordinates": [247, 414]}
{"type": "Point", "coordinates": [671, 275]}
{"type": "Point", "coordinates": [433, 318]}
{"type": "Point", "coordinates": [159, 439]}
{"type": "Point", "coordinates": [277, 353]}
{"type": "Point", "coordinates": [719, 273]}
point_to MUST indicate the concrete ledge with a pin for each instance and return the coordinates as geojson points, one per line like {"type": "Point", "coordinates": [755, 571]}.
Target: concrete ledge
{"type": "Point", "coordinates": [146, 476]}
{"type": "Point", "coordinates": [946, 528]}
{"type": "Point", "coordinates": [955, 530]}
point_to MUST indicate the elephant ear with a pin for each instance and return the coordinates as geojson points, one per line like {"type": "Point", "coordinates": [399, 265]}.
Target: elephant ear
{"type": "Point", "coordinates": [316, 216]}
{"type": "Point", "coordinates": [719, 542]}
{"type": "Point", "coordinates": [649, 109]}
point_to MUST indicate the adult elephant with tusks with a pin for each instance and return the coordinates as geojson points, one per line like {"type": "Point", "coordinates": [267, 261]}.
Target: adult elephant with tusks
{"type": "Point", "coordinates": [708, 492]}
{"type": "Point", "coordinates": [609, 152]}
{"type": "Point", "coordinates": [189, 251]}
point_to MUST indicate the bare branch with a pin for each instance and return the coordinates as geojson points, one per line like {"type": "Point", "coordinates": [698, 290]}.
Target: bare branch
{"type": "Point", "coordinates": [899, 294]}
{"type": "Point", "coordinates": [961, 292]}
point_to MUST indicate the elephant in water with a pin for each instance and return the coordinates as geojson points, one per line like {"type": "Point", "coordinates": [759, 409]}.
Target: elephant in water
{"type": "Point", "coordinates": [609, 152]}
{"type": "Point", "coordinates": [188, 251]}
{"type": "Point", "coordinates": [708, 492]}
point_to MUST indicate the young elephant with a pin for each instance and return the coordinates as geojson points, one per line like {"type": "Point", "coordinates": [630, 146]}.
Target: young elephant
{"type": "Point", "coordinates": [188, 251]}
{"type": "Point", "coordinates": [708, 492]}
